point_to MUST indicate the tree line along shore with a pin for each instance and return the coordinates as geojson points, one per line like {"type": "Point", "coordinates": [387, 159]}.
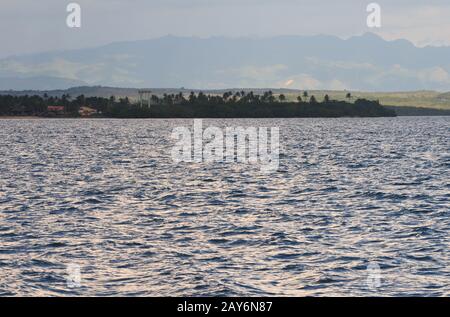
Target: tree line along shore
{"type": "Point", "coordinates": [194, 105]}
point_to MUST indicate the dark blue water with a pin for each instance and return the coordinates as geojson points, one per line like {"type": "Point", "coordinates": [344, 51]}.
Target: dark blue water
{"type": "Point", "coordinates": [106, 196]}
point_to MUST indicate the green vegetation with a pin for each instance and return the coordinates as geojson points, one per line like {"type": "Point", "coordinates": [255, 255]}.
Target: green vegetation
{"type": "Point", "coordinates": [419, 99]}
{"type": "Point", "coordinates": [228, 105]}
{"type": "Point", "coordinates": [44, 106]}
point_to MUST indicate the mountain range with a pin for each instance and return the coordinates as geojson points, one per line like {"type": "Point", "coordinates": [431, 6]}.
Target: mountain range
{"type": "Point", "coordinates": [365, 63]}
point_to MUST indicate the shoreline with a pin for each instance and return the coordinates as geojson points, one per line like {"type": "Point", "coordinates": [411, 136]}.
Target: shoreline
{"type": "Point", "coordinates": [206, 118]}
{"type": "Point", "coordinates": [20, 117]}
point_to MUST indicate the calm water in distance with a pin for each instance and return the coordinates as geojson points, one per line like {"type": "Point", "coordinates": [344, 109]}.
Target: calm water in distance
{"type": "Point", "coordinates": [106, 196]}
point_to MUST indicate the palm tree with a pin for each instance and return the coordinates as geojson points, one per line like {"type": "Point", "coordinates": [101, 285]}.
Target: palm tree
{"type": "Point", "coordinates": [178, 98]}
{"type": "Point", "coordinates": [124, 101]}
{"type": "Point", "coordinates": [202, 98]}
{"type": "Point", "coordinates": [271, 99]}
{"type": "Point", "coordinates": [251, 96]}
{"type": "Point", "coordinates": [155, 99]}
{"type": "Point", "coordinates": [305, 95]}
{"type": "Point", "coordinates": [81, 100]}
{"type": "Point", "coordinates": [192, 97]}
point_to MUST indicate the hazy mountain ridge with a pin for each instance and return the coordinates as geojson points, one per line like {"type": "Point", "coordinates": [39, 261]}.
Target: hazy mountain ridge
{"type": "Point", "coordinates": [366, 63]}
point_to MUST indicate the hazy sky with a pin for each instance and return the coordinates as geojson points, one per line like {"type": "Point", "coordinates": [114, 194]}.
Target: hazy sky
{"type": "Point", "coordinates": [30, 26]}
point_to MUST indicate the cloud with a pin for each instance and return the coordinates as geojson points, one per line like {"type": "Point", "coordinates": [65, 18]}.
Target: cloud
{"type": "Point", "coordinates": [308, 82]}
{"type": "Point", "coordinates": [300, 81]}
{"type": "Point", "coordinates": [423, 23]}
{"type": "Point", "coordinates": [289, 82]}
{"type": "Point", "coordinates": [436, 78]}
{"type": "Point", "coordinates": [338, 85]}
{"type": "Point", "coordinates": [58, 67]}
{"type": "Point", "coordinates": [438, 75]}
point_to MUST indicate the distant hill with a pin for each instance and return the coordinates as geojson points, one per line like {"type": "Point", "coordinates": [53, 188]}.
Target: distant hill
{"type": "Point", "coordinates": [363, 63]}
{"type": "Point", "coordinates": [420, 99]}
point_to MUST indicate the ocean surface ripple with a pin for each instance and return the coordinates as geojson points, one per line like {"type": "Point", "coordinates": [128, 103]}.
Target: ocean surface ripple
{"type": "Point", "coordinates": [350, 195]}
